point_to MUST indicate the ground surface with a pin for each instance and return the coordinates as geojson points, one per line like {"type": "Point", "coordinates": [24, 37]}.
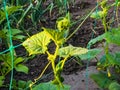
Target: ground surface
{"type": "Point", "coordinates": [73, 73]}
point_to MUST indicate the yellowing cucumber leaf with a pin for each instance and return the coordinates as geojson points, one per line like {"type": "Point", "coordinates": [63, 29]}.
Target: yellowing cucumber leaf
{"type": "Point", "coordinates": [113, 36]}
{"type": "Point", "coordinates": [37, 44]}
{"type": "Point", "coordinates": [71, 51]}
{"type": "Point", "coordinates": [63, 24]}
{"type": "Point", "coordinates": [56, 36]}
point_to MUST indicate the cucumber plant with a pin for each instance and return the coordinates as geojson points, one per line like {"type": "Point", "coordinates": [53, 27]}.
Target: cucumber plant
{"type": "Point", "coordinates": [38, 44]}
{"type": "Point", "coordinates": [109, 62]}
{"type": "Point", "coordinates": [6, 67]}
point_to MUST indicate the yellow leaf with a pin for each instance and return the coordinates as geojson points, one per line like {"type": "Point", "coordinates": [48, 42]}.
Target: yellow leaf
{"type": "Point", "coordinates": [37, 44]}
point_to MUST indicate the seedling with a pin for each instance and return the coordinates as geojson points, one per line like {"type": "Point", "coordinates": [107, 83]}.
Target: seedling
{"type": "Point", "coordinates": [38, 44]}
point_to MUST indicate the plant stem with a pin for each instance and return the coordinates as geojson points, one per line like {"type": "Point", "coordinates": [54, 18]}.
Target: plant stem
{"type": "Point", "coordinates": [64, 61]}
{"type": "Point", "coordinates": [7, 72]}
{"type": "Point", "coordinates": [58, 79]}
{"type": "Point", "coordinates": [81, 23]}
{"type": "Point", "coordinates": [55, 55]}
{"type": "Point", "coordinates": [104, 23]}
{"type": "Point", "coordinates": [54, 67]}
{"type": "Point", "coordinates": [53, 63]}
{"type": "Point", "coordinates": [35, 80]}
{"type": "Point", "coordinates": [106, 49]}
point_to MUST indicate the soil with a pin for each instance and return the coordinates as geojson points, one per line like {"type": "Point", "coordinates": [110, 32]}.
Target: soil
{"type": "Point", "coordinates": [73, 72]}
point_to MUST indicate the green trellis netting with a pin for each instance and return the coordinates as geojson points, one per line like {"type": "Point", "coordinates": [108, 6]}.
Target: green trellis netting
{"type": "Point", "coordinates": [12, 47]}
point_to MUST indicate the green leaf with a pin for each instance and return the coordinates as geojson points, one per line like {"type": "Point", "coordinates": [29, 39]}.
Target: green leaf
{"type": "Point", "coordinates": [56, 36]}
{"type": "Point", "coordinates": [50, 86]}
{"type": "Point", "coordinates": [28, 83]}
{"type": "Point", "coordinates": [114, 86]}
{"type": "Point", "coordinates": [92, 53]}
{"type": "Point", "coordinates": [1, 80]}
{"type": "Point", "coordinates": [6, 58]}
{"type": "Point", "coordinates": [10, 11]}
{"type": "Point", "coordinates": [2, 34]}
{"type": "Point", "coordinates": [18, 60]}
{"type": "Point", "coordinates": [114, 59]}
{"type": "Point", "coordinates": [16, 31]}
{"type": "Point", "coordinates": [37, 44]}
{"type": "Point", "coordinates": [102, 62]}
{"type": "Point", "coordinates": [113, 36]}
{"type": "Point", "coordinates": [15, 34]}
{"type": "Point", "coordinates": [21, 84]}
{"type": "Point", "coordinates": [71, 51]}
{"type": "Point", "coordinates": [7, 63]}
{"type": "Point", "coordinates": [21, 68]}
{"type": "Point", "coordinates": [97, 15]}
{"type": "Point", "coordinates": [18, 37]}
{"type": "Point", "coordinates": [117, 58]}
{"type": "Point", "coordinates": [101, 79]}
{"type": "Point", "coordinates": [111, 58]}
{"type": "Point", "coordinates": [97, 39]}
